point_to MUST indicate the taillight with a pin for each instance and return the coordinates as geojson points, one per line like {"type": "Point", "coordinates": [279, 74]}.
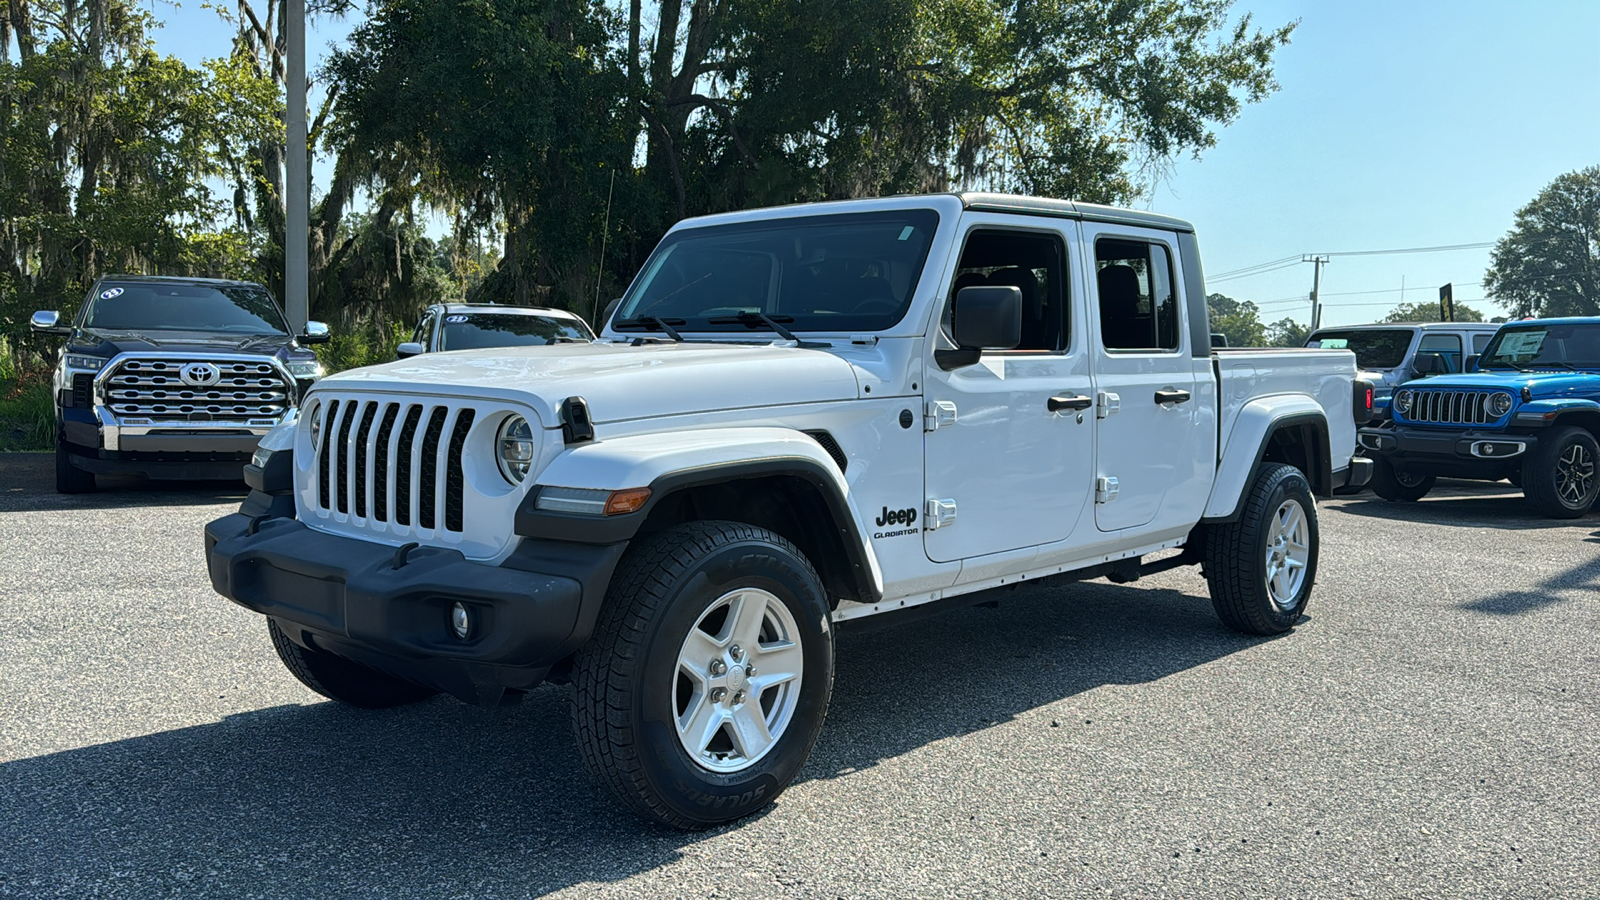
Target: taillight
{"type": "Point", "coordinates": [1362, 407]}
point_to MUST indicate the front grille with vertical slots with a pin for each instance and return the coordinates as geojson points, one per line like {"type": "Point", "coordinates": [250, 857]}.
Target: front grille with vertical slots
{"type": "Point", "coordinates": [391, 461]}
{"type": "Point", "coordinates": [1440, 407]}
{"type": "Point", "coordinates": [245, 389]}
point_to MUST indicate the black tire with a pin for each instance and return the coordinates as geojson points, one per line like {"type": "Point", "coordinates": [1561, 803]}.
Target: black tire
{"type": "Point", "coordinates": [69, 478]}
{"type": "Point", "coordinates": [340, 679]}
{"type": "Point", "coordinates": [627, 686]}
{"type": "Point", "coordinates": [1559, 476]}
{"type": "Point", "coordinates": [1237, 555]}
{"type": "Point", "coordinates": [1400, 487]}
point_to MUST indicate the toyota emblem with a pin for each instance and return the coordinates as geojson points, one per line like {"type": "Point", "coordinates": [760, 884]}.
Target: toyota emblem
{"type": "Point", "coordinates": [200, 374]}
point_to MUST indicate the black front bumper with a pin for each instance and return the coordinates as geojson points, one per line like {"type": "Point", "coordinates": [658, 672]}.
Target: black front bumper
{"type": "Point", "coordinates": [1466, 454]}
{"type": "Point", "coordinates": [346, 596]}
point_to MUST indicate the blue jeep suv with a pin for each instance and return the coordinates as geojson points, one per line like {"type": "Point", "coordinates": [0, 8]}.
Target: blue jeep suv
{"type": "Point", "coordinates": [1527, 410]}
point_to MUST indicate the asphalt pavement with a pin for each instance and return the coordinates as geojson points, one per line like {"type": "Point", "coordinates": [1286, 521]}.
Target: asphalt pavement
{"type": "Point", "coordinates": [1429, 731]}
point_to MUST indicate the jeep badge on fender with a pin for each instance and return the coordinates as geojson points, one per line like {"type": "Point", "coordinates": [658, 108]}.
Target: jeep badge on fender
{"type": "Point", "coordinates": [686, 558]}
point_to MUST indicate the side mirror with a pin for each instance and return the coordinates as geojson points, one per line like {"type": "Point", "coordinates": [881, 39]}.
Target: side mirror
{"type": "Point", "coordinates": [408, 350]}
{"type": "Point", "coordinates": [1472, 363]}
{"type": "Point", "coordinates": [316, 333]}
{"type": "Point", "coordinates": [47, 321]}
{"type": "Point", "coordinates": [611, 308]}
{"type": "Point", "coordinates": [1218, 339]}
{"type": "Point", "coordinates": [987, 317]}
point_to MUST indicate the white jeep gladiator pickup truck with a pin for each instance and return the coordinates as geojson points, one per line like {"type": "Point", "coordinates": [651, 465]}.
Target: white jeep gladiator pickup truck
{"type": "Point", "coordinates": [796, 418]}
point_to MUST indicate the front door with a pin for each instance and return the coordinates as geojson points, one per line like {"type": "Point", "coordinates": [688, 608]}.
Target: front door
{"type": "Point", "coordinates": [1010, 470]}
{"type": "Point", "coordinates": [1149, 443]}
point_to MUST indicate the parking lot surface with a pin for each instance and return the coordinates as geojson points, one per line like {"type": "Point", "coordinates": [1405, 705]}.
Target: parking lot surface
{"type": "Point", "coordinates": [1429, 730]}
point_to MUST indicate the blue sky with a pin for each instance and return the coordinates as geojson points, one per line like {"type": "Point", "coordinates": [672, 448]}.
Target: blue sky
{"type": "Point", "coordinates": [1397, 125]}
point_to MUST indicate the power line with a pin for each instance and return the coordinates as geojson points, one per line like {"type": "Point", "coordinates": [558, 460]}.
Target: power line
{"type": "Point", "coordinates": [1232, 272]}
{"type": "Point", "coordinates": [1482, 245]}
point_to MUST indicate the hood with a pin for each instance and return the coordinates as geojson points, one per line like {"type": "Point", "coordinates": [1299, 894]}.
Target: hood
{"type": "Point", "coordinates": [109, 342]}
{"type": "Point", "coordinates": [1542, 385]}
{"type": "Point", "coordinates": [619, 381]}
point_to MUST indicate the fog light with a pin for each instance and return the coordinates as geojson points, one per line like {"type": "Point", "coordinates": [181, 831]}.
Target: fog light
{"type": "Point", "coordinates": [460, 621]}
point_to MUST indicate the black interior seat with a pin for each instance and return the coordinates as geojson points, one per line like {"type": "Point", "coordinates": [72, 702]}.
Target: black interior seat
{"type": "Point", "coordinates": [1121, 326]}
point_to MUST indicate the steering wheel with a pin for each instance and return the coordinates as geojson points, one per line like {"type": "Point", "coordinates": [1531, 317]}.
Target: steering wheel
{"type": "Point", "coordinates": [875, 306]}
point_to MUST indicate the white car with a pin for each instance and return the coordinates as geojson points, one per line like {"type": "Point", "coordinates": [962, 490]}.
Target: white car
{"type": "Point", "coordinates": [797, 419]}
{"type": "Point", "coordinates": [476, 326]}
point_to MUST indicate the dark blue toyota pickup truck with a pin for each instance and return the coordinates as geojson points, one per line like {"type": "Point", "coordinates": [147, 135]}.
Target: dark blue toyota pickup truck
{"type": "Point", "coordinates": [1528, 410]}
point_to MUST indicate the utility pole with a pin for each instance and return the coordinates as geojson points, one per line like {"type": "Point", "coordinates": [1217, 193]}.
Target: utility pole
{"type": "Point", "coordinates": [1316, 288]}
{"type": "Point", "coordinates": [297, 213]}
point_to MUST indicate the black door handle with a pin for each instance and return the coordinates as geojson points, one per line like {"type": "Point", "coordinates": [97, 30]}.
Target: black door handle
{"type": "Point", "coordinates": [1165, 397]}
{"type": "Point", "coordinates": [1077, 402]}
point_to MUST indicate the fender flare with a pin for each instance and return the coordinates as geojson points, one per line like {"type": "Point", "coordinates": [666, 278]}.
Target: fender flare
{"type": "Point", "coordinates": [1247, 445]}
{"type": "Point", "coordinates": [668, 464]}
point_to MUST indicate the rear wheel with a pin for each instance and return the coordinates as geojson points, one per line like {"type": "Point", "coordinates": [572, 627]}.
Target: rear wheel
{"type": "Point", "coordinates": [1261, 568]}
{"type": "Point", "coordinates": [707, 680]}
{"type": "Point", "coordinates": [1398, 485]}
{"type": "Point", "coordinates": [69, 478]}
{"type": "Point", "coordinates": [1558, 477]}
{"type": "Point", "coordinates": [340, 679]}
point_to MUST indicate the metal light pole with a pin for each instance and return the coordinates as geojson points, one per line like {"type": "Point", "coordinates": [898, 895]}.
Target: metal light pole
{"type": "Point", "coordinates": [296, 235]}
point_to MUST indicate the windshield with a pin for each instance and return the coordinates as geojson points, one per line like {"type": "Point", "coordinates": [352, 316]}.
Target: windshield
{"type": "Point", "coordinates": [162, 306]}
{"type": "Point", "coordinates": [1574, 346]}
{"type": "Point", "coordinates": [853, 272]}
{"type": "Point", "coordinates": [472, 331]}
{"type": "Point", "coordinates": [1374, 349]}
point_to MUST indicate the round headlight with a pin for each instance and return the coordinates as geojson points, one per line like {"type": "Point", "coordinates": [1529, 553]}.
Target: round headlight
{"type": "Point", "coordinates": [515, 444]}
{"type": "Point", "coordinates": [1499, 404]}
{"type": "Point", "coordinates": [1402, 401]}
{"type": "Point", "coordinates": [315, 425]}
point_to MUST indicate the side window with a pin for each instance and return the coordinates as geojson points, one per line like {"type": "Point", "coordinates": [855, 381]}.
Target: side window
{"type": "Point", "coordinates": [1448, 346]}
{"type": "Point", "coordinates": [1034, 264]}
{"type": "Point", "coordinates": [1138, 303]}
{"type": "Point", "coordinates": [1480, 341]}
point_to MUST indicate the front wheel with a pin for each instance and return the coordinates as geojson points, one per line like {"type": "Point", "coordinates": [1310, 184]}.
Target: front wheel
{"type": "Point", "coordinates": [340, 679]}
{"type": "Point", "coordinates": [708, 677]}
{"type": "Point", "coordinates": [1558, 477]}
{"type": "Point", "coordinates": [1261, 568]}
{"type": "Point", "coordinates": [1400, 486]}
{"type": "Point", "coordinates": [69, 478]}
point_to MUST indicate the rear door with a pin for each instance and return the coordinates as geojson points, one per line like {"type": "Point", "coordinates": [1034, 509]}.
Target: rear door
{"type": "Point", "coordinates": [1149, 442]}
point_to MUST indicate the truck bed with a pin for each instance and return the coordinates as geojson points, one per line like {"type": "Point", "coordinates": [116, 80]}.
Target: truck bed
{"type": "Point", "coordinates": [1270, 375]}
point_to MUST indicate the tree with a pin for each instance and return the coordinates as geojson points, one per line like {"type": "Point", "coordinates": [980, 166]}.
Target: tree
{"type": "Point", "coordinates": [1429, 312]}
{"type": "Point", "coordinates": [1549, 263]}
{"type": "Point", "coordinates": [1287, 333]}
{"type": "Point", "coordinates": [106, 153]}
{"type": "Point", "coordinates": [1238, 319]}
{"type": "Point", "coordinates": [542, 113]}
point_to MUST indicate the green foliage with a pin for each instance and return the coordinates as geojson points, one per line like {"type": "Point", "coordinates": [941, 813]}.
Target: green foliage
{"type": "Point", "coordinates": [531, 113]}
{"type": "Point", "coordinates": [1238, 319]}
{"type": "Point", "coordinates": [1429, 312]}
{"type": "Point", "coordinates": [364, 345]}
{"type": "Point", "coordinates": [1549, 263]}
{"type": "Point", "coordinates": [1287, 333]}
{"type": "Point", "coordinates": [27, 417]}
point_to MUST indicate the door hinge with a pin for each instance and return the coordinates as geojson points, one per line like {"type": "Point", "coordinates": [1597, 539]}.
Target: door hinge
{"type": "Point", "coordinates": [1106, 404]}
{"type": "Point", "coordinates": [939, 412]}
{"type": "Point", "coordinates": [940, 514]}
{"type": "Point", "coordinates": [1105, 489]}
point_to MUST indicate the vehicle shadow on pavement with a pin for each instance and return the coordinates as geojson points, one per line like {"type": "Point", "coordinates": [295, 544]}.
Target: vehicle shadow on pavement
{"type": "Point", "coordinates": [1583, 577]}
{"type": "Point", "coordinates": [439, 798]}
{"type": "Point", "coordinates": [27, 483]}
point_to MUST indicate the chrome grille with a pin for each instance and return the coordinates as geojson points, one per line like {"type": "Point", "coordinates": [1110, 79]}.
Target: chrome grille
{"type": "Point", "coordinates": [154, 389]}
{"type": "Point", "coordinates": [396, 462]}
{"type": "Point", "coordinates": [1436, 407]}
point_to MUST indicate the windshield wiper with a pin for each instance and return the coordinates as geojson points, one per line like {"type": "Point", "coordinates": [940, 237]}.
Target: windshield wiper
{"type": "Point", "coordinates": [1567, 366]}
{"type": "Point", "coordinates": [654, 324]}
{"type": "Point", "coordinates": [1505, 362]}
{"type": "Point", "coordinates": [752, 319]}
